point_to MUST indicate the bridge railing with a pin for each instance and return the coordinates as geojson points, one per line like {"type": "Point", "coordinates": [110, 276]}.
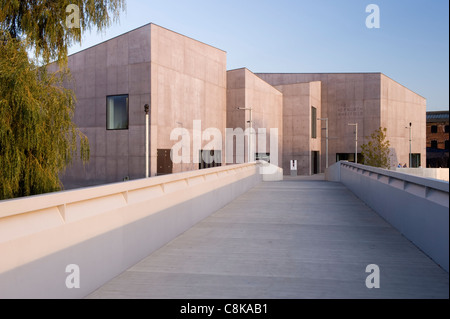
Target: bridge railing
{"type": "Point", "coordinates": [416, 206]}
{"type": "Point", "coordinates": [48, 242]}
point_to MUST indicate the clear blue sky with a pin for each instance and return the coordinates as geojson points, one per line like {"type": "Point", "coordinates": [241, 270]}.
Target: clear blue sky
{"type": "Point", "coordinates": [411, 46]}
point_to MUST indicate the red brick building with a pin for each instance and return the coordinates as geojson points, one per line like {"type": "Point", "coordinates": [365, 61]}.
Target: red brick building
{"type": "Point", "coordinates": [438, 139]}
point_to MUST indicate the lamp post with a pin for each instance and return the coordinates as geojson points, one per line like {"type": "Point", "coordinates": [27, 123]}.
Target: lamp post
{"type": "Point", "coordinates": [410, 148]}
{"type": "Point", "coordinates": [251, 129]}
{"type": "Point", "coordinates": [356, 140]}
{"type": "Point", "coordinates": [147, 110]}
{"type": "Point", "coordinates": [326, 139]}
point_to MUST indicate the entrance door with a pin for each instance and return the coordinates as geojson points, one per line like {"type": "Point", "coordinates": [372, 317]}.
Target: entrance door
{"type": "Point", "coordinates": [314, 162]}
{"type": "Point", "coordinates": [164, 162]}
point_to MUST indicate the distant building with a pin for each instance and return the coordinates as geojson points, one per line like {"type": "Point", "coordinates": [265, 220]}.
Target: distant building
{"type": "Point", "coordinates": [185, 82]}
{"type": "Point", "coordinates": [438, 139]}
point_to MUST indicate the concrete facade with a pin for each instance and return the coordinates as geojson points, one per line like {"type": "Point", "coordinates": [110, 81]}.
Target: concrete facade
{"type": "Point", "coordinates": [180, 78]}
{"type": "Point", "coordinates": [371, 100]}
{"type": "Point", "coordinates": [246, 90]}
{"type": "Point", "coordinates": [187, 86]}
{"type": "Point", "coordinates": [298, 140]}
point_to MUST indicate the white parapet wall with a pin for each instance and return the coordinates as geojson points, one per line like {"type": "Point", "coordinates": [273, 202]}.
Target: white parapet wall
{"type": "Point", "coordinates": [418, 207]}
{"type": "Point", "coordinates": [51, 244]}
{"type": "Point", "coordinates": [436, 173]}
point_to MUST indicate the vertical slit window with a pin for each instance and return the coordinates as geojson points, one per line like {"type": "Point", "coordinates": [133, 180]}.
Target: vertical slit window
{"type": "Point", "coordinates": [313, 122]}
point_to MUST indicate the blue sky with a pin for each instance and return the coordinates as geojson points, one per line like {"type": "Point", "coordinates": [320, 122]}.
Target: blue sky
{"type": "Point", "coordinates": [411, 46]}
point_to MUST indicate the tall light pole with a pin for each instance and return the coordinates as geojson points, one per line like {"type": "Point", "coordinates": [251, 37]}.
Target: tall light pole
{"type": "Point", "coordinates": [356, 140]}
{"type": "Point", "coordinates": [147, 110]}
{"type": "Point", "coordinates": [326, 139]}
{"type": "Point", "coordinates": [410, 148]}
{"type": "Point", "coordinates": [250, 133]}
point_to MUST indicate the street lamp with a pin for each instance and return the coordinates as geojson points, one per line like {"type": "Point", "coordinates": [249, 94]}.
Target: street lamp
{"type": "Point", "coordinates": [410, 140]}
{"type": "Point", "coordinates": [251, 129]}
{"type": "Point", "coordinates": [326, 137]}
{"type": "Point", "coordinates": [147, 111]}
{"type": "Point", "coordinates": [356, 140]}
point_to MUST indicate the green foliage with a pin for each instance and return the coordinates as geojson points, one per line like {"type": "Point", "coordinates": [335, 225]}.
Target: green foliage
{"type": "Point", "coordinates": [43, 23]}
{"type": "Point", "coordinates": [37, 136]}
{"type": "Point", "coordinates": [376, 152]}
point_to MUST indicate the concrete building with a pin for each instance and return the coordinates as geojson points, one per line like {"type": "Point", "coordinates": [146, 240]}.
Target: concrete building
{"type": "Point", "coordinates": [438, 139]}
{"type": "Point", "coordinates": [253, 103]}
{"type": "Point", "coordinates": [187, 86]}
{"type": "Point", "coordinates": [180, 78]}
{"type": "Point", "coordinates": [371, 100]}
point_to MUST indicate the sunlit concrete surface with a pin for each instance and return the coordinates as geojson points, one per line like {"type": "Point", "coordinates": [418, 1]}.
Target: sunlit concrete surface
{"type": "Point", "coordinates": [281, 240]}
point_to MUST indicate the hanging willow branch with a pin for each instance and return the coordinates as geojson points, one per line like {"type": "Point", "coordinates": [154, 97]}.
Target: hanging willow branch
{"type": "Point", "coordinates": [38, 139]}
{"type": "Point", "coordinates": [37, 136]}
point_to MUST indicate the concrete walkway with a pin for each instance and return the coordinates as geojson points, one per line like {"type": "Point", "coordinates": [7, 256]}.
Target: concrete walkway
{"type": "Point", "coordinates": [285, 240]}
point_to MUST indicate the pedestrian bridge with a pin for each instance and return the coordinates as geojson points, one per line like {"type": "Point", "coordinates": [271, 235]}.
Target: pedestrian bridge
{"type": "Point", "coordinates": [226, 233]}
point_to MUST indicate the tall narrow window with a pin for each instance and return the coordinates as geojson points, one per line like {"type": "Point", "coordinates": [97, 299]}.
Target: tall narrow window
{"type": "Point", "coordinates": [313, 122]}
{"type": "Point", "coordinates": [434, 129]}
{"type": "Point", "coordinates": [117, 112]}
{"type": "Point", "coordinates": [434, 144]}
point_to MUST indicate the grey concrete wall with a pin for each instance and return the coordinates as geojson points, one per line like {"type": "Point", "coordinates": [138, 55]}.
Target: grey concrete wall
{"type": "Point", "coordinates": [246, 90]}
{"type": "Point", "coordinates": [399, 107]}
{"type": "Point", "coordinates": [297, 141]}
{"type": "Point", "coordinates": [118, 66]}
{"type": "Point", "coordinates": [369, 99]}
{"type": "Point", "coordinates": [105, 230]}
{"type": "Point", "coordinates": [182, 79]}
{"type": "Point", "coordinates": [418, 207]}
{"type": "Point", "coordinates": [188, 83]}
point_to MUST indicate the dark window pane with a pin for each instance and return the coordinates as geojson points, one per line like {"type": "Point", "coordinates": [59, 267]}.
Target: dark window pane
{"type": "Point", "coordinates": [434, 144]}
{"type": "Point", "coordinates": [117, 112]}
{"type": "Point", "coordinates": [313, 122]}
{"type": "Point", "coordinates": [447, 129]}
{"type": "Point", "coordinates": [434, 129]}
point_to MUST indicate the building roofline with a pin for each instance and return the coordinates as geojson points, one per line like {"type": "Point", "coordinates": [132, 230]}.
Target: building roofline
{"type": "Point", "coordinates": [247, 69]}
{"type": "Point", "coordinates": [333, 73]}
{"type": "Point", "coordinates": [143, 26]}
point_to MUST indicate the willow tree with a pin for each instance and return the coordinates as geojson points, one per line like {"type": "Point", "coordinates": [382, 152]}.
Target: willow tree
{"type": "Point", "coordinates": [377, 151]}
{"type": "Point", "coordinates": [38, 138]}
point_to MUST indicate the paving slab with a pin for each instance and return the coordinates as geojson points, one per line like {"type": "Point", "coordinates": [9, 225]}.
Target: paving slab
{"type": "Point", "coordinates": [294, 239]}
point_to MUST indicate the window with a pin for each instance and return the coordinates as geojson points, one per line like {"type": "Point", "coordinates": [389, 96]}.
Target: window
{"type": "Point", "coordinates": [447, 129]}
{"type": "Point", "coordinates": [313, 122]}
{"type": "Point", "coordinates": [349, 157]}
{"type": "Point", "coordinates": [117, 112]}
{"type": "Point", "coordinates": [446, 145]}
{"type": "Point", "coordinates": [434, 144]}
{"type": "Point", "coordinates": [210, 158]}
{"type": "Point", "coordinates": [433, 128]}
{"type": "Point", "coordinates": [262, 157]}
{"type": "Point", "coordinates": [415, 160]}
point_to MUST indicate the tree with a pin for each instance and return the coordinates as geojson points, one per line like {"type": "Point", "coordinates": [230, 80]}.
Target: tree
{"type": "Point", "coordinates": [44, 23]}
{"type": "Point", "coordinates": [38, 138]}
{"type": "Point", "coordinates": [376, 152]}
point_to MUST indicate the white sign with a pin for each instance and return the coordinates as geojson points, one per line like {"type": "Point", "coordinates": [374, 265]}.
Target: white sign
{"type": "Point", "coordinates": [293, 165]}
